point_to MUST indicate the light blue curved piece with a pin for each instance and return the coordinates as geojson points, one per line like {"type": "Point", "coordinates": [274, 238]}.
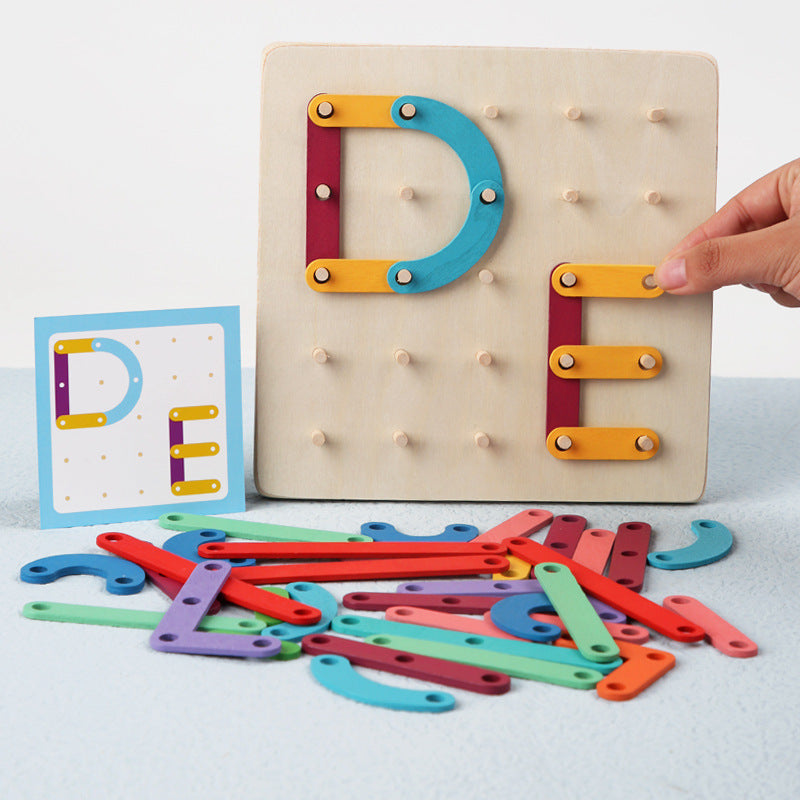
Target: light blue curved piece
{"type": "Point", "coordinates": [337, 674]}
{"type": "Point", "coordinates": [714, 541]}
{"type": "Point", "coordinates": [483, 172]}
{"type": "Point", "coordinates": [126, 356]}
{"type": "Point", "coordinates": [513, 615]}
{"type": "Point", "coordinates": [311, 594]}
{"type": "Point", "coordinates": [357, 625]}
{"type": "Point", "coordinates": [122, 577]}
{"type": "Point", "coordinates": [386, 532]}
{"type": "Point", "coordinates": [185, 545]}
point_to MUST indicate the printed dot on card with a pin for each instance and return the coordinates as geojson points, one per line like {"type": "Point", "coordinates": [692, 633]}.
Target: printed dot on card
{"type": "Point", "coordinates": [210, 338]}
{"type": "Point", "coordinates": [67, 497]}
{"type": "Point", "coordinates": [174, 339]}
{"type": "Point", "coordinates": [102, 458]}
{"type": "Point", "coordinates": [138, 416]}
{"type": "Point", "coordinates": [105, 494]}
{"type": "Point", "coordinates": [174, 377]}
{"type": "Point", "coordinates": [66, 461]}
{"type": "Point", "coordinates": [139, 454]}
{"type": "Point", "coordinates": [137, 342]}
{"type": "Point", "coordinates": [141, 491]}
{"type": "Point", "coordinates": [210, 374]}
{"type": "Point", "coordinates": [101, 381]}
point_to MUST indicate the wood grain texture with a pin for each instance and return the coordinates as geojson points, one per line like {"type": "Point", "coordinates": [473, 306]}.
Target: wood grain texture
{"type": "Point", "coordinates": [612, 155]}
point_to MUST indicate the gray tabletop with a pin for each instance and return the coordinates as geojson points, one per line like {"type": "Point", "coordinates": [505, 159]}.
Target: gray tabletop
{"type": "Point", "coordinates": [94, 712]}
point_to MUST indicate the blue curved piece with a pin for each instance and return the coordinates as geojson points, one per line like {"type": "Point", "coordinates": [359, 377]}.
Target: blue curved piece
{"type": "Point", "coordinates": [386, 532]}
{"type": "Point", "coordinates": [513, 615]}
{"type": "Point", "coordinates": [126, 356]}
{"type": "Point", "coordinates": [122, 577]}
{"type": "Point", "coordinates": [185, 545]}
{"type": "Point", "coordinates": [313, 595]}
{"type": "Point", "coordinates": [483, 172]}
{"type": "Point", "coordinates": [714, 541]}
{"type": "Point", "coordinates": [337, 674]}
{"type": "Point", "coordinates": [356, 625]}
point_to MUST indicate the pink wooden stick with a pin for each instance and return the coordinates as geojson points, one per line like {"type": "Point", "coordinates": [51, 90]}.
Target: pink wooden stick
{"type": "Point", "coordinates": [594, 548]}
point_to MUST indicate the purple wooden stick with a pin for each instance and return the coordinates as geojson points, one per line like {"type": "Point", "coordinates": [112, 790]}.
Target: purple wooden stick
{"type": "Point", "coordinates": [176, 471]}
{"type": "Point", "coordinates": [176, 633]}
{"type": "Point", "coordinates": [61, 375]}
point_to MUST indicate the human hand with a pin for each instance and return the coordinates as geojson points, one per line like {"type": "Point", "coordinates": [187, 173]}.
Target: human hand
{"type": "Point", "coordinates": [754, 239]}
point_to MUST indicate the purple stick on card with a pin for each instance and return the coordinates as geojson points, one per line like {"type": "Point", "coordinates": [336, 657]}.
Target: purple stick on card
{"type": "Point", "coordinates": [61, 376]}
{"type": "Point", "coordinates": [177, 631]}
{"type": "Point", "coordinates": [176, 471]}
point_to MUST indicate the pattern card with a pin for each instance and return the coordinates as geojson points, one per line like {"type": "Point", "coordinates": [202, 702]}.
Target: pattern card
{"type": "Point", "coordinates": [138, 414]}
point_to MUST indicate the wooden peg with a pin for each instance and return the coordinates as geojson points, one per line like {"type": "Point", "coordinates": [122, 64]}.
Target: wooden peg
{"type": "Point", "coordinates": [484, 358]}
{"type": "Point", "coordinates": [325, 110]}
{"type": "Point", "coordinates": [566, 361]}
{"type": "Point", "coordinates": [318, 438]}
{"type": "Point", "coordinates": [402, 357]}
{"type": "Point", "coordinates": [404, 277]}
{"type": "Point", "coordinates": [647, 361]}
{"type": "Point", "coordinates": [486, 276]}
{"type": "Point", "coordinates": [563, 442]}
{"type": "Point", "coordinates": [573, 113]}
{"type": "Point", "coordinates": [400, 439]}
{"type": "Point", "coordinates": [488, 196]}
{"type": "Point", "coordinates": [645, 444]}
{"type": "Point", "coordinates": [482, 440]}
{"type": "Point", "coordinates": [568, 280]}
{"type": "Point", "coordinates": [570, 195]}
{"type": "Point", "coordinates": [656, 114]}
{"type": "Point", "coordinates": [408, 111]}
{"type": "Point", "coordinates": [406, 193]}
{"type": "Point", "coordinates": [322, 275]}
{"type": "Point", "coordinates": [649, 282]}
{"type": "Point", "coordinates": [652, 197]}
{"type": "Point", "coordinates": [490, 112]}
{"type": "Point", "coordinates": [323, 192]}
{"type": "Point", "coordinates": [319, 355]}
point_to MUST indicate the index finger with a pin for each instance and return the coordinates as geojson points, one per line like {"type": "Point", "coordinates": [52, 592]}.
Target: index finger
{"type": "Point", "coordinates": [765, 202]}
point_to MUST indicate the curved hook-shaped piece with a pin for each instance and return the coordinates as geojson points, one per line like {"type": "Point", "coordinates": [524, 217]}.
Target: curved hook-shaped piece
{"type": "Point", "coordinates": [486, 197]}
{"type": "Point", "coordinates": [337, 674]}
{"type": "Point", "coordinates": [313, 595]}
{"type": "Point", "coordinates": [122, 577]}
{"type": "Point", "coordinates": [513, 615]}
{"type": "Point", "coordinates": [714, 541]}
{"type": "Point", "coordinates": [485, 192]}
{"type": "Point", "coordinates": [386, 532]}
{"type": "Point", "coordinates": [185, 545]}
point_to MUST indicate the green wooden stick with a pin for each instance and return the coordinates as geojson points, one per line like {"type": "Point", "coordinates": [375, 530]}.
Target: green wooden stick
{"type": "Point", "coordinates": [581, 620]}
{"type": "Point", "coordinates": [146, 620]}
{"type": "Point", "coordinates": [257, 531]}
{"type": "Point", "coordinates": [515, 666]}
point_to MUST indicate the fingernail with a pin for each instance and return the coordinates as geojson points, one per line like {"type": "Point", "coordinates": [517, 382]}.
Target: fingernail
{"type": "Point", "coordinates": [671, 274]}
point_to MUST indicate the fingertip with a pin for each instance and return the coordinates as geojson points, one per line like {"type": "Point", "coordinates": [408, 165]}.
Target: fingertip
{"type": "Point", "coordinates": [671, 274]}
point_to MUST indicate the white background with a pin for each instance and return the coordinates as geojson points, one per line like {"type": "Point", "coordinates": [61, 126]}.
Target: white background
{"type": "Point", "coordinates": [129, 139]}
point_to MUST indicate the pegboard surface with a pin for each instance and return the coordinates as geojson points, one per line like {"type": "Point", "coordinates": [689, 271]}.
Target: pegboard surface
{"type": "Point", "coordinates": [612, 155]}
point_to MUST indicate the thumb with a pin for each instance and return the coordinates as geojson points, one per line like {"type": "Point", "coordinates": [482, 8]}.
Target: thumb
{"type": "Point", "coordinates": [769, 257]}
